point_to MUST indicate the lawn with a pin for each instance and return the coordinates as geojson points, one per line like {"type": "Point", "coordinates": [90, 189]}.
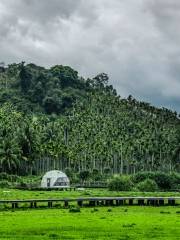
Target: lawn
{"type": "Point", "coordinates": [25, 194]}
{"type": "Point", "coordinates": [126, 222]}
{"type": "Point", "coordinates": [103, 223]}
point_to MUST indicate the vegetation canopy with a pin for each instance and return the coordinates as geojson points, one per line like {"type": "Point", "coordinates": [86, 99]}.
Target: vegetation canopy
{"type": "Point", "coordinates": [55, 119]}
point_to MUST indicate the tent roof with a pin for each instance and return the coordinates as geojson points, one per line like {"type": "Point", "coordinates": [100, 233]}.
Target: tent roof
{"type": "Point", "coordinates": [55, 173]}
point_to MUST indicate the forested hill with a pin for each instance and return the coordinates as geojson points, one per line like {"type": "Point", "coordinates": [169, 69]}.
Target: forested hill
{"type": "Point", "coordinates": [52, 118]}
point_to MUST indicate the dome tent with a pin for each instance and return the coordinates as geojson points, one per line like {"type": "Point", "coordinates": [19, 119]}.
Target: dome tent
{"type": "Point", "coordinates": [55, 179]}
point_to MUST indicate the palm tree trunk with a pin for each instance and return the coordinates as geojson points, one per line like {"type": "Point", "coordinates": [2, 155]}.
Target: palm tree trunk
{"type": "Point", "coordinates": [121, 160]}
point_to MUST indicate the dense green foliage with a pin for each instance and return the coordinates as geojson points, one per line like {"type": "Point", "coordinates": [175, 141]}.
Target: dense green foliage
{"type": "Point", "coordinates": [145, 181]}
{"type": "Point", "coordinates": [52, 118]}
{"type": "Point", "coordinates": [164, 181]}
{"type": "Point", "coordinates": [122, 183]}
{"type": "Point", "coordinates": [141, 181]}
{"type": "Point", "coordinates": [148, 185]}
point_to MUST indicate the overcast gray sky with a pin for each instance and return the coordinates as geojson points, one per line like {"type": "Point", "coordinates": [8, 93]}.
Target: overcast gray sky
{"type": "Point", "coordinates": [137, 42]}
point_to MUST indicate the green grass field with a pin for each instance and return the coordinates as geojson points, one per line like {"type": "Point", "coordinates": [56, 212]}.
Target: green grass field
{"type": "Point", "coordinates": [25, 194]}
{"type": "Point", "coordinates": [123, 223]}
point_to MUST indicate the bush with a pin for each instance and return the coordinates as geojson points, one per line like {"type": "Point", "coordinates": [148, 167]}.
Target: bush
{"type": "Point", "coordinates": [74, 210]}
{"type": "Point", "coordinates": [94, 210]}
{"type": "Point", "coordinates": [141, 176]}
{"type": "Point", "coordinates": [175, 181]}
{"type": "Point", "coordinates": [3, 176]}
{"type": "Point", "coordinates": [147, 185]}
{"type": "Point", "coordinates": [96, 176]}
{"type": "Point", "coordinates": [12, 178]}
{"type": "Point", "coordinates": [163, 180]}
{"type": "Point", "coordinates": [5, 184]}
{"type": "Point", "coordinates": [84, 175]}
{"type": "Point", "coordinates": [69, 172]}
{"type": "Point", "coordinates": [121, 183]}
{"type": "Point", "coordinates": [28, 183]}
{"type": "Point", "coordinates": [22, 184]}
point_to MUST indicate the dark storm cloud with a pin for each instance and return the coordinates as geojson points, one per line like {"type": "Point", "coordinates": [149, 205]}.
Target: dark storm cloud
{"type": "Point", "coordinates": [166, 15]}
{"type": "Point", "coordinates": [136, 42]}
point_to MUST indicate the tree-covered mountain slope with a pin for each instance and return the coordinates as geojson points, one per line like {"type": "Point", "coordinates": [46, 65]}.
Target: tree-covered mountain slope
{"type": "Point", "coordinates": [36, 89]}
{"type": "Point", "coordinates": [52, 118]}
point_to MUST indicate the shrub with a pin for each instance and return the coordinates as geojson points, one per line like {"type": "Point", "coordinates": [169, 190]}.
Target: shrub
{"type": "Point", "coordinates": [141, 176]}
{"type": "Point", "coordinates": [84, 175]}
{"type": "Point", "coordinates": [74, 210]}
{"type": "Point", "coordinates": [175, 181]}
{"type": "Point", "coordinates": [12, 178]}
{"type": "Point", "coordinates": [54, 236]}
{"type": "Point", "coordinates": [163, 180]}
{"type": "Point", "coordinates": [96, 175]}
{"type": "Point", "coordinates": [5, 184]}
{"type": "Point", "coordinates": [28, 183]}
{"type": "Point", "coordinates": [68, 171]}
{"type": "Point", "coordinates": [94, 210]}
{"type": "Point", "coordinates": [120, 183]}
{"type": "Point", "coordinates": [147, 185]}
{"type": "Point", "coordinates": [3, 176]}
{"type": "Point", "coordinates": [164, 212]}
{"type": "Point", "coordinates": [22, 184]}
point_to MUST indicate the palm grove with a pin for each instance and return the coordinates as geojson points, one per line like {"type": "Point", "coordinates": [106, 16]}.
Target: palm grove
{"type": "Point", "coordinates": [52, 118]}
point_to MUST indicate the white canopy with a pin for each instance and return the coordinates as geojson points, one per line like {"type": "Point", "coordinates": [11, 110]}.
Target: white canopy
{"type": "Point", "coordinates": [55, 179]}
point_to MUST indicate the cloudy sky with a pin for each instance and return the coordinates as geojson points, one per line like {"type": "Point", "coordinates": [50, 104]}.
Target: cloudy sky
{"type": "Point", "coordinates": [137, 42]}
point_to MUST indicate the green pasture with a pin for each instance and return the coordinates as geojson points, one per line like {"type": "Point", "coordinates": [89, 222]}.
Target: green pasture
{"type": "Point", "coordinates": [103, 223]}
{"type": "Point", "coordinates": [27, 194]}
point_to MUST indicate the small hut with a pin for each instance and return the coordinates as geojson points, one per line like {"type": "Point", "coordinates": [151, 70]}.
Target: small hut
{"type": "Point", "coordinates": [55, 179]}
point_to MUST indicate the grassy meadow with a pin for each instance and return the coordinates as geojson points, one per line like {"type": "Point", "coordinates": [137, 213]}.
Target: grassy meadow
{"type": "Point", "coordinates": [102, 223]}
{"type": "Point", "coordinates": [27, 194]}
{"type": "Point", "coordinates": [125, 222]}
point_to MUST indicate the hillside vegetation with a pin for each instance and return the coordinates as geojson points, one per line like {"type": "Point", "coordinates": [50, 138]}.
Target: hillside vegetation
{"type": "Point", "coordinates": [52, 118]}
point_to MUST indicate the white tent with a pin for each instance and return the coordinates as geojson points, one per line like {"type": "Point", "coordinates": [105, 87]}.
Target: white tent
{"type": "Point", "coordinates": [55, 179]}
